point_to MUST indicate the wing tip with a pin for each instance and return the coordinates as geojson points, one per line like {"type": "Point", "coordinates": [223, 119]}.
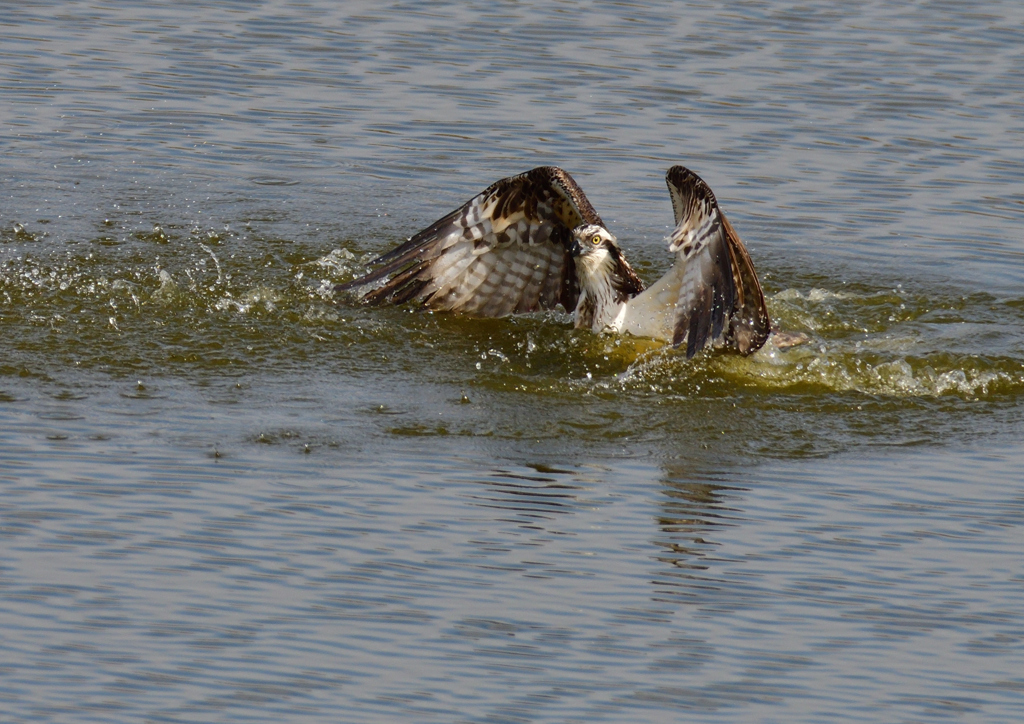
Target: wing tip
{"type": "Point", "coordinates": [681, 179]}
{"type": "Point", "coordinates": [404, 273]}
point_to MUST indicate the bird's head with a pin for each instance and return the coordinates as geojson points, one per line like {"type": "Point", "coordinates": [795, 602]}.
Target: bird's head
{"type": "Point", "coordinates": [593, 245]}
{"type": "Point", "coordinates": [606, 279]}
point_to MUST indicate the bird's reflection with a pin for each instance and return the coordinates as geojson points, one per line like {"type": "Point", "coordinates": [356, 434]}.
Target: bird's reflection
{"type": "Point", "coordinates": [690, 519]}
{"type": "Point", "coordinates": [533, 493]}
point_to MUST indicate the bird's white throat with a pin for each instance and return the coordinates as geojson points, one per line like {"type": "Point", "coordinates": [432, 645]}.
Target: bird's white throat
{"type": "Point", "coordinates": [598, 306]}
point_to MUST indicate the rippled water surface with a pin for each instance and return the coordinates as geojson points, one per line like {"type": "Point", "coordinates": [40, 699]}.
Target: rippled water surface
{"type": "Point", "coordinates": [230, 494]}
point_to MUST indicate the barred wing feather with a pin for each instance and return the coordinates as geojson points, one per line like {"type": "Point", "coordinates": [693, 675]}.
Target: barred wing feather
{"type": "Point", "coordinates": [507, 250]}
{"type": "Point", "coordinates": [719, 297]}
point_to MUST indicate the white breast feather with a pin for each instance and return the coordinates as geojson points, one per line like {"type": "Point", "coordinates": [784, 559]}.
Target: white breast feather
{"type": "Point", "coordinates": [652, 313]}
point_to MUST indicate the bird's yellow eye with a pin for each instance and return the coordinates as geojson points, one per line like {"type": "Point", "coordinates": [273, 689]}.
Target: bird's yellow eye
{"type": "Point", "coordinates": [595, 239]}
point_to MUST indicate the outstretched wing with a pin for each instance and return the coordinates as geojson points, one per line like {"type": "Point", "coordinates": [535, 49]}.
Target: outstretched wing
{"type": "Point", "coordinates": [507, 250]}
{"type": "Point", "coordinates": [720, 296]}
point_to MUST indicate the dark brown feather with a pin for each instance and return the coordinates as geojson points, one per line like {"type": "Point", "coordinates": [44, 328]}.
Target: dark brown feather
{"type": "Point", "coordinates": [721, 297]}
{"type": "Point", "coordinates": [749, 323]}
{"type": "Point", "coordinates": [624, 280]}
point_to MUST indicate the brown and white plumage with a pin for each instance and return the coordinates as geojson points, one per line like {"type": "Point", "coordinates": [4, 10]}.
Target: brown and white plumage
{"type": "Point", "coordinates": [534, 241]}
{"type": "Point", "coordinates": [507, 250]}
{"type": "Point", "coordinates": [711, 295]}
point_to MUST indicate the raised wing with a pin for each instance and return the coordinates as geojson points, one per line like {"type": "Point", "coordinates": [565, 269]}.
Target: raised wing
{"type": "Point", "coordinates": [719, 297]}
{"type": "Point", "coordinates": [507, 250]}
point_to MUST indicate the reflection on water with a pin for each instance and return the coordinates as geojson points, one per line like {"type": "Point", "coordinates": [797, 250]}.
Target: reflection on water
{"type": "Point", "coordinates": [543, 588]}
{"type": "Point", "coordinates": [230, 493]}
{"type": "Point", "coordinates": [688, 521]}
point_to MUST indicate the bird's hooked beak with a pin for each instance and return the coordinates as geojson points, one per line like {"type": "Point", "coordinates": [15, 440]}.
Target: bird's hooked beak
{"type": "Point", "coordinates": [587, 238]}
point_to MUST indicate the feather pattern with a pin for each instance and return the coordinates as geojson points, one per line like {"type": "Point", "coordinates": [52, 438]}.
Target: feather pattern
{"type": "Point", "coordinates": [719, 298]}
{"type": "Point", "coordinates": [507, 250]}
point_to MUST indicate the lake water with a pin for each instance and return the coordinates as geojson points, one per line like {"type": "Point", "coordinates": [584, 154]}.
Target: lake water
{"type": "Point", "coordinates": [228, 494]}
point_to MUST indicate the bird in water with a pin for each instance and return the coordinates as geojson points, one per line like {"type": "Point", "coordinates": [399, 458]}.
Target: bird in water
{"type": "Point", "coordinates": [533, 241]}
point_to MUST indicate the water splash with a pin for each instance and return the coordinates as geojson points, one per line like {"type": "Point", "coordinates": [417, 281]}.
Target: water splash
{"type": "Point", "coordinates": [234, 292]}
{"type": "Point", "coordinates": [882, 343]}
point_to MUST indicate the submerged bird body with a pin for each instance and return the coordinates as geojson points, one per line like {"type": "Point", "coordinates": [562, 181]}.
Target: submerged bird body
{"type": "Point", "coordinates": [534, 241]}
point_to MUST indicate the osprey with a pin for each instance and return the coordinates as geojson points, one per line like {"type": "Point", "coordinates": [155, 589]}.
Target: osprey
{"type": "Point", "coordinates": [534, 241]}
